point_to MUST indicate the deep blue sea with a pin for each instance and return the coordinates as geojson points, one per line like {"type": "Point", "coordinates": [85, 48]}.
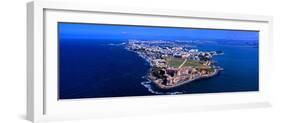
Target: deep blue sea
{"type": "Point", "coordinates": [102, 68]}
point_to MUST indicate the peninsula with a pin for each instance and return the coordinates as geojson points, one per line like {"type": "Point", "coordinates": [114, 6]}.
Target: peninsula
{"type": "Point", "coordinates": [174, 63]}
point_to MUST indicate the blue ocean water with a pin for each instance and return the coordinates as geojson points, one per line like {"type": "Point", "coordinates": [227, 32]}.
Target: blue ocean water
{"type": "Point", "coordinates": [102, 68]}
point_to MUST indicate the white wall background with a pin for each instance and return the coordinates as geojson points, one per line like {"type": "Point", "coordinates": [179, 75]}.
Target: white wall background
{"type": "Point", "coordinates": [13, 61]}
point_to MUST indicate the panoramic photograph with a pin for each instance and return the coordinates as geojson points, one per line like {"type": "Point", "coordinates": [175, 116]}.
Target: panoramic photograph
{"type": "Point", "coordinates": [106, 60]}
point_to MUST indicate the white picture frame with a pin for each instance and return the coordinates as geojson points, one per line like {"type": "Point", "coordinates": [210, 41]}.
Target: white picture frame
{"type": "Point", "coordinates": [42, 102]}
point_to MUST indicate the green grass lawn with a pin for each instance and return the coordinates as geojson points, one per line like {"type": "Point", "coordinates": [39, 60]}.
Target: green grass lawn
{"type": "Point", "coordinates": [194, 63]}
{"type": "Point", "coordinates": [176, 62]}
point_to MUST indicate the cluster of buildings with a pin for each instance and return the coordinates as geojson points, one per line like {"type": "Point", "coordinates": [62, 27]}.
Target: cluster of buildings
{"type": "Point", "coordinates": [172, 77]}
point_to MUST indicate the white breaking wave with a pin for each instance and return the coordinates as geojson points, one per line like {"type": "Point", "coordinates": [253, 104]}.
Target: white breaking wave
{"type": "Point", "coordinates": [148, 85]}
